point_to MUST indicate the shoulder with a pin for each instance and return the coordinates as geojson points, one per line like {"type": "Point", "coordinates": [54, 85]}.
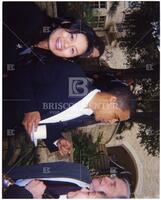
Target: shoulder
{"type": "Point", "coordinates": [65, 66]}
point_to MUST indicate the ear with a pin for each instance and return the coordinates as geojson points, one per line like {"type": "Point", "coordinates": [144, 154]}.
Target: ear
{"type": "Point", "coordinates": [113, 99]}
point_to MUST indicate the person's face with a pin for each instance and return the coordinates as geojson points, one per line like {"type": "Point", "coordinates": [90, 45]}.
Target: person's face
{"type": "Point", "coordinates": [83, 194]}
{"type": "Point", "coordinates": [113, 187]}
{"type": "Point", "coordinates": [65, 44]}
{"type": "Point", "coordinates": [109, 112]}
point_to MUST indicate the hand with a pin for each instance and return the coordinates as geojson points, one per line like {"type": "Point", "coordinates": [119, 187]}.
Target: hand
{"type": "Point", "coordinates": [64, 147]}
{"type": "Point", "coordinates": [36, 188]}
{"type": "Point", "coordinates": [30, 119]}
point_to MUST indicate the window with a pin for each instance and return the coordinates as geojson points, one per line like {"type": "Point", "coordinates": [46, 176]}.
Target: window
{"type": "Point", "coordinates": [98, 22]}
{"type": "Point", "coordinates": [102, 4]}
{"type": "Point", "coordinates": [102, 21]}
{"type": "Point", "coordinates": [98, 4]}
{"type": "Point", "coordinates": [95, 5]}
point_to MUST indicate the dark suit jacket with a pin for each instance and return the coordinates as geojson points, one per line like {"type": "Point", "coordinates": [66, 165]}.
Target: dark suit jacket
{"type": "Point", "coordinates": [46, 87]}
{"type": "Point", "coordinates": [22, 22]}
{"type": "Point", "coordinates": [49, 170]}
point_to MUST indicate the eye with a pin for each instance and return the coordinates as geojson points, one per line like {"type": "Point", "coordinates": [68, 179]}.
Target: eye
{"type": "Point", "coordinates": [72, 36]}
{"type": "Point", "coordinates": [72, 51]}
{"type": "Point", "coordinates": [114, 184]}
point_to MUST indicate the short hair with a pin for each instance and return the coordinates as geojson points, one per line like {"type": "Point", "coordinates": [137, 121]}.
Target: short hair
{"type": "Point", "coordinates": [125, 98]}
{"type": "Point", "coordinates": [126, 177]}
{"type": "Point", "coordinates": [128, 190]}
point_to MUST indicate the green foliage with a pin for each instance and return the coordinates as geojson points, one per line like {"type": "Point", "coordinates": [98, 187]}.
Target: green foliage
{"type": "Point", "coordinates": [148, 95]}
{"type": "Point", "coordinates": [85, 150]}
{"type": "Point", "coordinates": [141, 40]}
{"type": "Point", "coordinates": [21, 151]}
{"type": "Point", "coordinates": [88, 16]}
{"type": "Point", "coordinates": [149, 139]}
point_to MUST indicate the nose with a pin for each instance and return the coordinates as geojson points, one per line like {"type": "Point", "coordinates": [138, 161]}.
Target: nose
{"type": "Point", "coordinates": [66, 44]}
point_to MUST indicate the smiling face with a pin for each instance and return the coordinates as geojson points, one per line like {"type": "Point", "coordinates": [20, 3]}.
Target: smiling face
{"type": "Point", "coordinates": [113, 187]}
{"type": "Point", "coordinates": [65, 44]}
{"type": "Point", "coordinates": [84, 194]}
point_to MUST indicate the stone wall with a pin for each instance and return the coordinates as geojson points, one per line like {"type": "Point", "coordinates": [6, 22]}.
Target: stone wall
{"type": "Point", "coordinates": [147, 166]}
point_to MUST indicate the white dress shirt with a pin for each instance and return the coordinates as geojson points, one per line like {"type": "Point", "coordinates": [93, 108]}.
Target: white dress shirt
{"type": "Point", "coordinates": [24, 182]}
{"type": "Point", "coordinates": [78, 109]}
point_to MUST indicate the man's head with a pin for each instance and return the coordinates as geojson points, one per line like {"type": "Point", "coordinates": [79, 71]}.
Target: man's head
{"type": "Point", "coordinates": [86, 194]}
{"type": "Point", "coordinates": [112, 187]}
{"type": "Point", "coordinates": [115, 105]}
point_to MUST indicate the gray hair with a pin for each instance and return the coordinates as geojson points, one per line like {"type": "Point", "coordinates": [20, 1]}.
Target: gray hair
{"type": "Point", "coordinates": [128, 190]}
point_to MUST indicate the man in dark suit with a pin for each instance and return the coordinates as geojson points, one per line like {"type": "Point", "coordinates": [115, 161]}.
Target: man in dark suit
{"type": "Point", "coordinates": [61, 178]}
{"type": "Point", "coordinates": [59, 88]}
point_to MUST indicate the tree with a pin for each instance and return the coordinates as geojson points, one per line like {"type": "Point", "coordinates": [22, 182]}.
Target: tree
{"type": "Point", "coordinates": [141, 41]}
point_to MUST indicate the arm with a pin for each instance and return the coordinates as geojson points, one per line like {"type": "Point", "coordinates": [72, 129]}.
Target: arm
{"type": "Point", "coordinates": [22, 90]}
{"type": "Point", "coordinates": [34, 189]}
{"type": "Point", "coordinates": [54, 131]}
{"type": "Point", "coordinates": [16, 192]}
{"type": "Point", "coordinates": [54, 134]}
{"type": "Point", "coordinates": [55, 141]}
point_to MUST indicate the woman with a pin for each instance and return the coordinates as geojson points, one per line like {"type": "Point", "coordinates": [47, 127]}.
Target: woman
{"type": "Point", "coordinates": [24, 31]}
{"type": "Point", "coordinates": [67, 40]}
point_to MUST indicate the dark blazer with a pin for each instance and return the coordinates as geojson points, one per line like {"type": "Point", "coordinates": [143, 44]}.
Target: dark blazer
{"type": "Point", "coordinates": [22, 22]}
{"type": "Point", "coordinates": [50, 170]}
{"type": "Point", "coordinates": [46, 87]}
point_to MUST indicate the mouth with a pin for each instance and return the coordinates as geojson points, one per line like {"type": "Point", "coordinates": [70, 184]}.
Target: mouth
{"type": "Point", "coordinates": [58, 44]}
